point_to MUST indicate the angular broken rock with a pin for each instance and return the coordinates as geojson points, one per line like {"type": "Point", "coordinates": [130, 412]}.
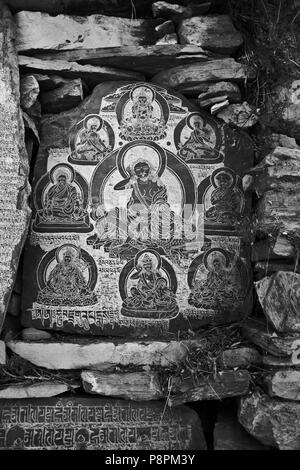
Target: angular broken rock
{"type": "Point", "coordinates": [262, 335]}
{"type": "Point", "coordinates": [61, 99]}
{"type": "Point", "coordinates": [86, 423]}
{"type": "Point", "coordinates": [211, 387]}
{"type": "Point", "coordinates": [230, 435]}
{"type": "Point", "coordinates": [103, 354]}
{"type": "Point", "coordinates": [15, 212]}
{"type": "Point", "coordinates": [272, 421]}
{"type": "Point", "coordinates": [34, 390]}
{"type": "Point", "coordinates": [240, 357]}
{"type": "Point", "coordinates": [280, 209]}
{"type": "Point", "coordinates": [177, 12]}
{"type": "Point", "coordinates": [91, 74]}
{"type": "Point", "coordinates": [29, 89]}
{"type": "Point", "coordinates": [283, 384]}
{"type": "Point", "coordinates": [240, 115]}
{"type": "Point", "coordinates": [279, 296]}
{"type": "Point", "coordinates": [286, 100]}
{"type": "Point", "coordinates": [279, 170]}
{"type": "Point", "coordinates": [137, 386]}
{"type": "Point", "coordinates": [228, 90]}
{"type": "Point", "coordinates": [193, 74]}
{"type": "Point", "coordinates": [284, 246]}
{"type": "Point", "coordinates": [148, 60]}
{"type": "Point", "coordinates": [39, 31]}
{"type": "Point", "coordinates": [212, 32]}
{"type": "Point", "coordinates": [282, 140]}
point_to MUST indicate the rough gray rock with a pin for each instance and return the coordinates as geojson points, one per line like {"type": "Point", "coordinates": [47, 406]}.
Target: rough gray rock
{"type": "Point", "coordinates": [279, 296]}
{"type": "Point", "coordinates": [212, 32]}
{"type": "Point", "coordinates": [192, 75]}
{"type": "Point", "coordinates": [272, 421]}
{"type": "Point", "coordinates": [240, 115]}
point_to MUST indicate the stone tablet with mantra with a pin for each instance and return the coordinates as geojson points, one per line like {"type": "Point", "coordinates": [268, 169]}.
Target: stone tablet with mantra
{"type": "Point", "coordinates": [97, 424]}
{"type": "Point", "coordinates": [139, 217]}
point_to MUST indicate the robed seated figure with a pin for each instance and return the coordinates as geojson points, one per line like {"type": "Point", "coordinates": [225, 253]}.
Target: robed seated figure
{"type": "Point", "coordinates": [151, 297]}
{"type": "Point", "coordinates": [66, 284]}
{"type": "Point", "coordinates": [198, 145]}
{"type": "Point", "coordinates": [221, 288]}
{"type": "Point", "coordinates": [225, 201]}
{"type": "Point", "coordinates": [62, 204]}
{"type": "Point", "coordinates": [90, 146]}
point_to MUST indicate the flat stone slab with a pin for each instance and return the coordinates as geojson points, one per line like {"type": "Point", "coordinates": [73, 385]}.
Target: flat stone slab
{"type": "Point", "coordinates": [240, 357]}
{"type": "Point", "coordinates": [14, 165]}
{"type": "Point", "coordinates": [74, 423]}
{"type": "Point", "coordinates": [261, 334]}
{"type": "Point", "coordinates": [38, 31]}
{"type": "Point", "coordinates": [213, 387]}
{"type": "Point", "coordinates": [91, 74]}
{"type": "Point", "coordinates": [115, 252]}
{"type": "Point", "coordinates": [40, 389]}
{"type": "Point", "coordinates": [191, 75]}
{"type": "Point", "coordinates": [273, 422]}
{"type": "Point", "coordinates": [148, 60]}
{"type": "Point", "coordinates": [103, 354]}
{"type": "Point", "coordinates": [137, 386]}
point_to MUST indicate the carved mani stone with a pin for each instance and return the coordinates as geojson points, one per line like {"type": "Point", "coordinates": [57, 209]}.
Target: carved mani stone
{"type": "Point", "coordinates": [97, 424]}
{"type": "Point", "coordinates": [14, 165]}
{"type": "Point", "coordinates": [139, 217]}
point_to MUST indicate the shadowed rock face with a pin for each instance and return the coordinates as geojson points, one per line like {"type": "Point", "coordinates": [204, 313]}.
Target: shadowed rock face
{"type": "Point", "coordinates": [82, 7]}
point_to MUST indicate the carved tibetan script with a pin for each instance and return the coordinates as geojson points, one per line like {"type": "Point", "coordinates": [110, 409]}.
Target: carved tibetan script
{"type": "Point", "coordinates": [96, 424]}
{"type": "Point", "coordinates": [139, 217]}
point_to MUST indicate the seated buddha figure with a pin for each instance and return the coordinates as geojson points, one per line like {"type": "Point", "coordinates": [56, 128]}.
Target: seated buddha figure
{"type": "Point", "coordinates": [142, 123]}
{"type": "Point", "coordinates": [221, 288]}
{"type": "Point", "coordinates": [225, 201]}
{"type": "Point", "coordinates": [66, 284]}
{"type": "Point", "coordinates": [151, 297]}
{"type": "Point", "coordinates": [62, 203]}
